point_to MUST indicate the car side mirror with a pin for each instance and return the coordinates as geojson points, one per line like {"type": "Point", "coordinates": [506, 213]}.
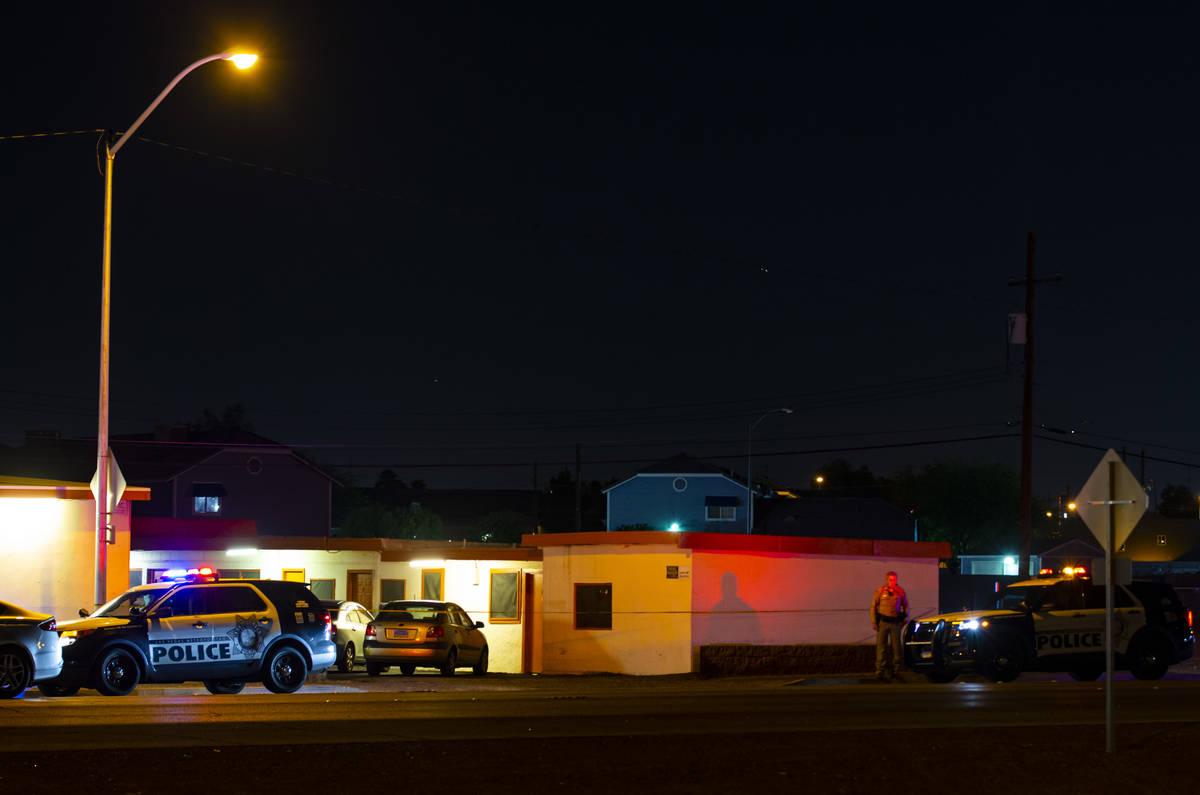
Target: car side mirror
{"type": "Point", "coordinates": [478, 625]}
{"type": "Point", "coordinates": [84, 612]}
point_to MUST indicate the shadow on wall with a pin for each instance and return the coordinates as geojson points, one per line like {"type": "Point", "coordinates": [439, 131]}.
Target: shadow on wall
{"type": "Point", "coordinates": [732, 620]}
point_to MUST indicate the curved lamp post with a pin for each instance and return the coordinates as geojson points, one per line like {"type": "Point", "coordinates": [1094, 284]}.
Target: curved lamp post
{"type": "Point", "coordinates": [749, 464]}
{"type": "Point", "coordinates": [103, 454]}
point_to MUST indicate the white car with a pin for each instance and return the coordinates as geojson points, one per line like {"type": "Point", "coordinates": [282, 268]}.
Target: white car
{"type": "Point", "coordinates": [29, 649]}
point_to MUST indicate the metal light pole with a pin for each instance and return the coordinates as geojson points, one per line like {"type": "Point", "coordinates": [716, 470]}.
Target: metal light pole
{"type": "Point", "coordinates": [750, 463]}
{"type": "Point", "coordinates": [103, 454]}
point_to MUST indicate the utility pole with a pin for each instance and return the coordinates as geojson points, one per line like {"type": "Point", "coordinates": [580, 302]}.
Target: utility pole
{"type": "Point", "coordinates": [578, 490]}
{"type": "Point", "coordinates": [1027, 405]}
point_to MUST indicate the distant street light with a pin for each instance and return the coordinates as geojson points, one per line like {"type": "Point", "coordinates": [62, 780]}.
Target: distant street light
{"type": "Point", "coordinates": [103, 454]}
{"type": "Point", "coordinates": [820, 481]}
{"type": "Point", "coordinates": [750, 465]}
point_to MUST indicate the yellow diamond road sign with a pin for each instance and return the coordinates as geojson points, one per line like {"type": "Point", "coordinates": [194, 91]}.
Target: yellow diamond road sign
{"type": "Point", "coordinates": [1111, 492]}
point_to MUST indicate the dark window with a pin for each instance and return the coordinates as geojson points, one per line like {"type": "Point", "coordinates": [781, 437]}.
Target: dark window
{"type": "Point", "coordinates": [322, 588]}
{"type": "Point", "coordinates": [135, 577]}
{"type": "Point", "coordinates": [503, 600]}
{"type": "Point", "coordinates": [593, 605]}
{"type": "Point", "coordinates": [239, 574]}
{"type": "Point", "coordinates": [185, 602]}
{"type": "Point", "coordinates": [391, 590]}
{"type": "Point", "coordinates": [234, 599]}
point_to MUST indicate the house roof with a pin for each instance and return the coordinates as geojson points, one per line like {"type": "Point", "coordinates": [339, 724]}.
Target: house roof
{"type": "Point", "coordinates": [733, 542]}
{"type": "Point", "coordinates": [681, 464]}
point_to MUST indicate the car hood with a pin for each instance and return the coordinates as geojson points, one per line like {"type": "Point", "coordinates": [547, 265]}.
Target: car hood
{"type": "Point", "coordinates": [967, 615]}
{"type": "Point", "coordinates": [103, 622]}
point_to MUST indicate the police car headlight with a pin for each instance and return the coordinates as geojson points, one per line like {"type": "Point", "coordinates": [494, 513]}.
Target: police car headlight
{"type": "Point", "coordinates": [964, 625]}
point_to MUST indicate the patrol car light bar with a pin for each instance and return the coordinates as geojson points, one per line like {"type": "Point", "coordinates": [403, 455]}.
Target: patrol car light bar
{"type": "Point", "coordinates": [201, 574]}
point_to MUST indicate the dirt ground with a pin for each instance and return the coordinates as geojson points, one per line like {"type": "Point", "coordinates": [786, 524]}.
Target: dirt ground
{"type": "Point", "coordinates": [1149, 758]}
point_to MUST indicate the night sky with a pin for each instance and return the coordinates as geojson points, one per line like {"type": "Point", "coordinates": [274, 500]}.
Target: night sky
{"type": "Point", "coordinates": [456, 240]}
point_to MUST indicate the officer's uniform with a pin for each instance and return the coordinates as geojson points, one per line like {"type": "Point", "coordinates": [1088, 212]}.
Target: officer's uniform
{"type": "Point", "coordinates": [889, 610]}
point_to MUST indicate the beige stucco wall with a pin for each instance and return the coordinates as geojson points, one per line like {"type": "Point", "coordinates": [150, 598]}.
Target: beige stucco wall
{"type": "Point", "coordinates": [48, 553]}
{"type": "Point", "coordinates": [651, 632]}
{"type": "Point", "coordinates": [776, 599]}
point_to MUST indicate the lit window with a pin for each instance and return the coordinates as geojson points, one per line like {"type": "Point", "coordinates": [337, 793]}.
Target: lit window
{"type": "Point", "coordinates": [209, 505]}
{"type": "Point", "coordinates": [1161, 540]}
{"type": "Point", "coordinates": [719, 513]}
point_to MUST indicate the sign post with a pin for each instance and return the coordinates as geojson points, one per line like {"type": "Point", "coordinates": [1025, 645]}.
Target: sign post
{"type": "Point", "coordinates": [113, 482]}
{"type": "Point", "coordinates": [1110, 504]}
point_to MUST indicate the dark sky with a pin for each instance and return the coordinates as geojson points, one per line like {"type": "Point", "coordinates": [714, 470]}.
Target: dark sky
{"type": "Point", "coordinates": [509, 229]}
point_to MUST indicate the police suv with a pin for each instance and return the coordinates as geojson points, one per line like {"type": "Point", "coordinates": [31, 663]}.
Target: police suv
{"type": "Point", "coordinates": [1056, 623]}
{"type": "Point", "coordinates": [197, 628]}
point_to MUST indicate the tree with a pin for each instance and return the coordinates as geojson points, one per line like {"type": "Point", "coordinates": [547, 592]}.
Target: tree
{"type": "Point", "coordinates": [975, 507]}
{"type": "Point", "coordinates": [1178, 501]}
{"type": "Point", "coordinates": [505, 527]}
{"type": "Point", "coordinates": [232, 418]}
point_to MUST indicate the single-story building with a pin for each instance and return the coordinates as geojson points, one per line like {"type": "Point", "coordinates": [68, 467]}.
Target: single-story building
{"type": "Point", "coordinates": [644, 602]}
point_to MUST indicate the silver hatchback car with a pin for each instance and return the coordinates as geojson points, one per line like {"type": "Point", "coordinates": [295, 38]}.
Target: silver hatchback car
{"type": "Point", "coordinates": [29, 649]}
{"type": "Point", "coordinates": [428, 634]}
{"type": "Point", "coordinates": [350, 621]}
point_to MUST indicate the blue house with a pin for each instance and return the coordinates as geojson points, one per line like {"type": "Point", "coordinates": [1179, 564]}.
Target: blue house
{"type": "Point", "coordinates": [680, 494]}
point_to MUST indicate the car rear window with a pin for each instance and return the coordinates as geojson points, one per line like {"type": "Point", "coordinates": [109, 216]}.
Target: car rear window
{"type": "Point", "coordinates": [421, 615]}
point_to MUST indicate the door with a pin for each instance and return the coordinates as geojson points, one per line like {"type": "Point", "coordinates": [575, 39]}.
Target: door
{"type": "Point", "coordinates": [178, 642]}
{"type": "Point", "coordinates": [242, 624]}
{"type": "Point", "coordinates": [360, 586]}
{"type": "Point", "coordinates": [471, 639]}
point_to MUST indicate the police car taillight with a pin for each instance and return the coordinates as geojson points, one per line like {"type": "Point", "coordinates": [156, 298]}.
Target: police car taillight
{"type": "Point", "coordinates": [328, 624]}
{"type": "Point", "coordinates": [1189, 618]}
{"type": "Point", "coordinates": [50, 625]}
{"type": "Point", "coordinates": [434, 632]}
{"type": "Point", "coordinates": [370, 630]}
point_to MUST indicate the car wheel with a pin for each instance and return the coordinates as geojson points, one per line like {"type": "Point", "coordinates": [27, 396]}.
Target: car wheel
{"type": "Point", "coordinates": [1000, 657]}
{"type": "Point", "coordinates": [408, 669]}
{"type": "Point", "coordinates": [285, 670]}
{"type": "Point", "coordinates": [223, 687]}
{"type": "Point", "coordinates": [117, 673]}
{"type": "Point", "coordinates": [451, 663]}
{"type": "Point", "coordinates": [56, 691]}
{"type": "Point", "coordinates": [375, 669]}
{"type": "Point", "coordinates": [480, 666]}
{"type": "Point", "coordinates": [1085, 674]}
{"type": "Point", "coordinates": [345, 662]}
{"type": "Point", "coordinates": [940, 676]}
{"type": "Point", "coordinates": [16, 674]}
{"type": "Point", "coordinates": [1149, 659]}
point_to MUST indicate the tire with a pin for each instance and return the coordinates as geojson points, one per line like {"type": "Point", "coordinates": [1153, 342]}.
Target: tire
{"type": "Point", "coordinates": [117, 673]}
{"type": "Point", "coordinates": [450, 664]}
{"type": "Point", "coordinates": [1149, 658]}
{"type": "Point", "coordinates": [408, 669]}
{"type": "Point", "coordinates": [1000, 657]}
{"type": "Point", "coordinates": [940, 676]}
{"type": "Point", "coordinates": [51, 690]}
{"type": "Point", "coordinates": [480, 666]}
{"type": "Point", "coordinates": [1085, 674]}
{"type": "Point", "coordinates": [16, 674]}
{"type": "Point", "coordinates": [284, 670]}
{"type": "Point", "coordinates": [223, 687]}
{"type": "Point", "coordinates": [345, 660]}
{"type": "Point", "coordinates": [375, 669]}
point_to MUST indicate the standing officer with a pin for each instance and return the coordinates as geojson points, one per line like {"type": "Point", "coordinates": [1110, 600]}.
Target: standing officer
{"type": "Point", "coordinates": [889, 610]}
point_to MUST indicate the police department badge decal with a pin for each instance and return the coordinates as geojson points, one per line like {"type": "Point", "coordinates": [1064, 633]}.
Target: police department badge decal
{"type": "Point", "coordinates": [249, 634]}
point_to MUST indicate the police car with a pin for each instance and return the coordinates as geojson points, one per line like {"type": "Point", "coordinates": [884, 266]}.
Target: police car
{"type": "Point", "coordinates": [1056, 623]}
{"type": "Point", "coordinates": [196, 627]}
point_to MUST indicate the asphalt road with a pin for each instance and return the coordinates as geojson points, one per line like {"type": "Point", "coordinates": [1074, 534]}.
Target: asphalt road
{"type": "Point", "coordinates": [410, 709]}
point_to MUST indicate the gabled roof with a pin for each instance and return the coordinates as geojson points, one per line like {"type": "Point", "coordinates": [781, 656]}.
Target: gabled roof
{"type": "Point", "coordinates": [681, 464]}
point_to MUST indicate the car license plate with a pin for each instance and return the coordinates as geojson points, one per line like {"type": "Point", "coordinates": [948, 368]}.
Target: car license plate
{"type": "Point", "coordinates": [400, 634]}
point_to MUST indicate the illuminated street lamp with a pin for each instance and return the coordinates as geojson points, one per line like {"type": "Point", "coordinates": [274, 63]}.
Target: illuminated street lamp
{"type": "Point", "coordinates": [103, 454]}
{"type": "Point", "coordinates": [749, 465]}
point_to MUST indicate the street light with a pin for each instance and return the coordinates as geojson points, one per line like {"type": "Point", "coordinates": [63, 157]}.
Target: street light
{"type": "Point", "coordinates": [103, 454]}
{"type": "Point", "coordinates": [750, 463]}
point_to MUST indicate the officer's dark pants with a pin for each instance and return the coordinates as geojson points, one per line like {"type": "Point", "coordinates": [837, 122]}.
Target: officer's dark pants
{"type": "Point", "coordinates": [888, 631]}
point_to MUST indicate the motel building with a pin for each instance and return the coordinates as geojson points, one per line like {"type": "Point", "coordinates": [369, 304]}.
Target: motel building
{"type": "Point", "coordinates": [628, 602]}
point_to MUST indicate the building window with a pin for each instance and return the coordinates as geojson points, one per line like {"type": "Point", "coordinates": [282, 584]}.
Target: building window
{"type": "Point", "coordinates": [391, 590]}
{"type": "Point", "coordinates": [1161, 540]}
{"type": "Point", "coordinates": [432, 581]}
{"type": "Point", "coordinates": [135, 577]}
{"type": "Point", "coordinates": [504, 597]}
{"type": "Point", "coordinates": [206, 498]}
{"type": "Point", "coordinates": [593, 605]}
{"type": "Point", "coordinates": [719, 513]}
{"type": "Point", "coordinates": [322, 589]}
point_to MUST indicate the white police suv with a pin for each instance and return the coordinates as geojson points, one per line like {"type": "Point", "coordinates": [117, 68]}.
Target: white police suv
{"type": "Point", "coordinates": [1056, 623]}
{"type": "Point", "coordinates": [221, 633]}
